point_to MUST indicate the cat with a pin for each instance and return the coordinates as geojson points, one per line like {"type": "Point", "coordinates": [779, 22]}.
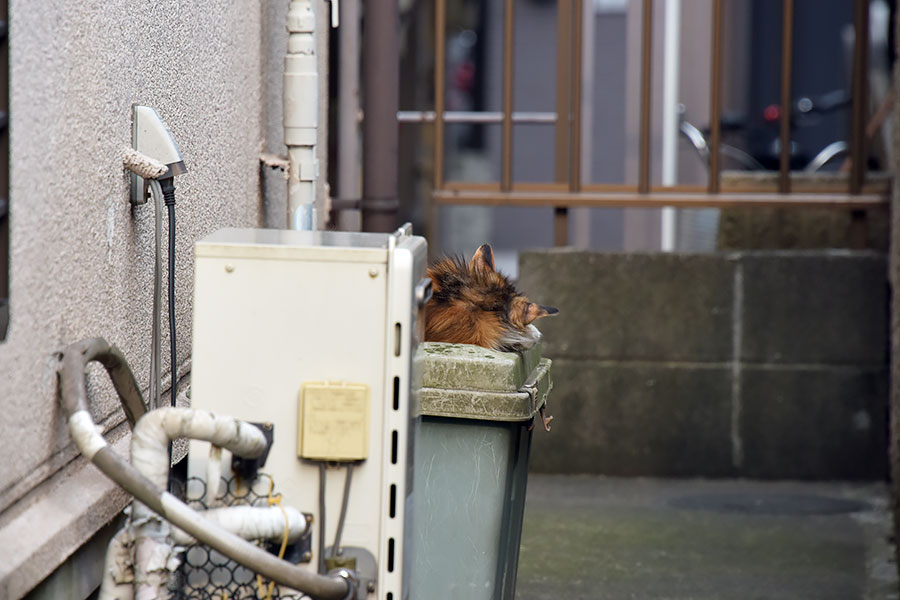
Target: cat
{"type": "Point", "coordinates": [476, 304]}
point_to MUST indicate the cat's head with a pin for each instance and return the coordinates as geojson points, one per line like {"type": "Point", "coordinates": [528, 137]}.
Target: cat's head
{"type": "Point", "coordinates": [475, 304]}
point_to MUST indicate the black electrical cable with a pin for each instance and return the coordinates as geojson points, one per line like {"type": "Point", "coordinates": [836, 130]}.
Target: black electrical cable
{"type": "Point", "coordinates": [168, 189]}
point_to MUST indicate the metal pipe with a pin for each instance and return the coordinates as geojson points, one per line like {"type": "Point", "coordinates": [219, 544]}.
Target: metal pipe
{"type": "Point", "coordinates": [581, 222]}
{"type": "Point", "coordinates": [564, 90]}
{"type": "Point", "coordinates": [636, 199]}
{"type": "Point", "coordinates": [561, 213]}
{"type": "Point", "coordinates": [336, 548]}
{"type": "Point", "coordinates": [440, 43]}
{"type": "Point", "coordinates": [348, 100]}
{"type": "Point", "coordinates": [301, 113]}
{"type": "Point", "coordinates": [508, 62]}
{"type": "Point", "coordinates": [73, 399]}
{"type": "Point", "coordinates": [320, 551]}
{"type": "Point", "coordinates": [715, 100]}
{"type": "Point", "coordinates": [74, 389]}
{"type": "Point", "coordinates": [575, 138]}
{"type": "Point", "coordinates": [860, 96]}
{"type": "Point", "coordinates": [381, 91]}
{"type": "Point", "coordinates": [150, 170]}
{"type": "Point", "coordinates": [671, 116]}
{"type": "Point", "coordinates": [787, 57]}
{"type": "Point", "coordinates": [763, 185]}
{"type": "Point", "coordinates": [474, 116]}
{"type": "Point", "coordinates": [646, 66]}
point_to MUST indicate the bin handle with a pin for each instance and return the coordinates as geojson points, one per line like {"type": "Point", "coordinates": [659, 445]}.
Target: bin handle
{"type": "Point", "coordinates": [423, 291]}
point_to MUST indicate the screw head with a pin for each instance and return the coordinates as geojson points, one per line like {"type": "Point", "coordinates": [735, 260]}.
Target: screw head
{"type": "Point", "coordinates": [373, 272]}
{"type": "Point", "coordinates": [370, 587]}
{"type": "Point", "coordinates": [306, 556]}
{"type": "Point", "coordinates": [229, 268]}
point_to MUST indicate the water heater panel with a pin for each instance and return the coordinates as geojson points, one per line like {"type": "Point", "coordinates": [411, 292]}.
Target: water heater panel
{"type": "Point", "coordinates": [314, 333]}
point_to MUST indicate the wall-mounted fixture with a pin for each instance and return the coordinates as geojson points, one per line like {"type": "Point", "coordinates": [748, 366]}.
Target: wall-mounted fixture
{"type": "Point", "coordinates": [154, 162]}
{"type": "Point", "coordinates": [151, 137]}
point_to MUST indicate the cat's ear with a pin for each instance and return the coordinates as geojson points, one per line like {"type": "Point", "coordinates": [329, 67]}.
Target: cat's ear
{"type": "Point", "coordinates": [483, 259]}
{"type": "Point", "coordinates": [536, 311]}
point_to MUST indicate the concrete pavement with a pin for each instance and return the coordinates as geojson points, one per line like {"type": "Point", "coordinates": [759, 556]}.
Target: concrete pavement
{"type": "Point", "coordinates": [590, 537]}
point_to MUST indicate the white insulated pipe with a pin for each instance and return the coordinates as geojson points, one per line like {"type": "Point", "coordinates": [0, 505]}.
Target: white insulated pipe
{"type": "Point", "coordinates": [118, 571]}
{"type": "Point", "coordinates": [95, 448]}
{"type": "Point", "coordinates": [151, 435]}
{"type": "Point", "coordinates": [155, 554]}
{"type": "Point", "coordinates": [301, 109]}
{"type": "Point", "coordinates": [253, 523]}
{"type": "Point", "coordinates": [671, 74]}
{"type": "Point", "coordinates": [73, 398]}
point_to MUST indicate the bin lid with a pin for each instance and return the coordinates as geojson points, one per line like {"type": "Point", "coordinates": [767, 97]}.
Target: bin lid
{"type": "Point", "coordinates": [469, 367]}
{"type": "Point", "coordinates": [471, 382]}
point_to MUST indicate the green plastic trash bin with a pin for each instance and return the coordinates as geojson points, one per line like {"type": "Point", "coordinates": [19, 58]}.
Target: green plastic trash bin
{"type": "Point", "coordinates": [471, 468]}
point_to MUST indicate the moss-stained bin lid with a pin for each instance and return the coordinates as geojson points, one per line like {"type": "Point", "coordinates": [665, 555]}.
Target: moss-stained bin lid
{"type": "Point", "coordinates": [471, 382]}
{"type": "Point", "coordinates": [468, 367]}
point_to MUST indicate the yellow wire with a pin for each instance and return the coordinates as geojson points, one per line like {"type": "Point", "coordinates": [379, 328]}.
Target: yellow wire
{"type": "Point", "coordinates": [272, 501]}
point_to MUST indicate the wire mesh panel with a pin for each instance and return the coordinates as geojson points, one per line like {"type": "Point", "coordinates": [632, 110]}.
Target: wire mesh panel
{"type": "Point", "coordinates": [205, 574]}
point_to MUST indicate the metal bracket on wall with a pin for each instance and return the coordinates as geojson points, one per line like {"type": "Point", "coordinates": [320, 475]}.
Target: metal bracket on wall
{"type": "Point", "coordinates": [301, 550]}
{"type": "Point", "coordinates": [151, 137]}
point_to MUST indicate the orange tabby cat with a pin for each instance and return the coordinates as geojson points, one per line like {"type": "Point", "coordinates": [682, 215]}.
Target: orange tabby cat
{"type": "Point", "coordinates": [474, 304]}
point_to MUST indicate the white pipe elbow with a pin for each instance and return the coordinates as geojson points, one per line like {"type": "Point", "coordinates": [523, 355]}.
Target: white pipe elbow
{"type": "Point", "coordinates": [152, 433]}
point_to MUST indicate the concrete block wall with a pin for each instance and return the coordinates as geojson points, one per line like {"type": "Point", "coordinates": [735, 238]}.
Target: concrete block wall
{"type": "Point", "coordinates": [758, 364]}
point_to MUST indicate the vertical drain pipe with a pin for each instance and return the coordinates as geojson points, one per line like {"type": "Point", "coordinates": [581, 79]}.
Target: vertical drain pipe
{"type": "Point", "coordinates": [348, 151]}
{"type": "Point", "coordinates": [671, 74]}
{"type": "Point", "coordinates": [381, 92]}
{"type": "Point", "coordinates": [301, 89]}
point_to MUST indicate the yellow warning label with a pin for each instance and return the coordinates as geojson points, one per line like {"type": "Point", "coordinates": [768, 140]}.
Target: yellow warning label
{"type": "Point", "coordinates": [334, 421]}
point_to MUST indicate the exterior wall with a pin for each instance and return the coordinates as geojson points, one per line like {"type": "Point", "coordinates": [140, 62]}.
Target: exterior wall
{"type": "Point", "coordinates": [81, 256]}
{"type": "Point", "coordinates": [754, 364]}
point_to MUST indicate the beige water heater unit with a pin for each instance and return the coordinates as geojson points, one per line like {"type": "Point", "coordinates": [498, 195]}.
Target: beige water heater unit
{"type": "Point", "coordinates": [314, 333]}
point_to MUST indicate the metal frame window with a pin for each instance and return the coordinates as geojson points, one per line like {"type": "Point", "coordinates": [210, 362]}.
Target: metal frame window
{"type": "Point", "coordinates": [567, 189]}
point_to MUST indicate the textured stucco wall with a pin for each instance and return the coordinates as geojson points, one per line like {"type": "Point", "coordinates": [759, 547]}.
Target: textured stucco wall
{"type": "Point", "coordinates": [275, 38]}
{"type": "Point", "coordinates": [81, 256]}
